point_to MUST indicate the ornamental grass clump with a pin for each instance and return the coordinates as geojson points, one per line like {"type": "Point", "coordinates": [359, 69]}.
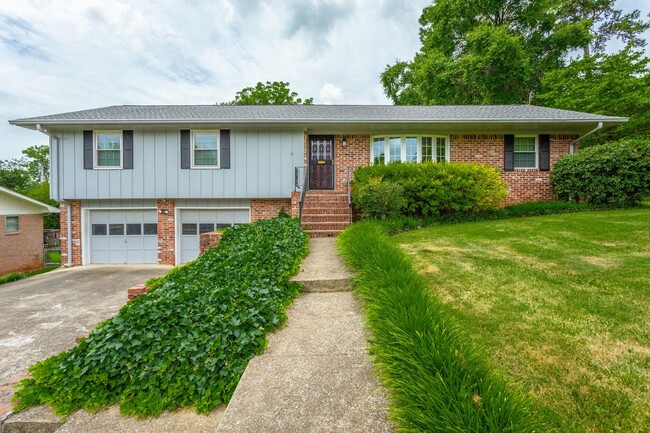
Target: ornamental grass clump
{"type": "Point", "coordinates": [189, 340]}
{"type": "Point", "coordinates": [438, 381]}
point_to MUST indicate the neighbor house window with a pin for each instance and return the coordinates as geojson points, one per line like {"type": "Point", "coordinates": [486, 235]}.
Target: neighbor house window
{"type": "Point", "coordinates": [409, 148]}
{"type": "Point", "coordinates": [108, 149]}
{"type": "Point", "coordinates": [11, 224]}
{"type": "Point", "coordinates": [205, 149]}
{"type": "Point", "coordinates": [525, 151]}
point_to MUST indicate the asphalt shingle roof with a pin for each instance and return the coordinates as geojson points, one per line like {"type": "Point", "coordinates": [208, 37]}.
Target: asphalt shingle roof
{"type": "Point", "coordinates": [316, 114]}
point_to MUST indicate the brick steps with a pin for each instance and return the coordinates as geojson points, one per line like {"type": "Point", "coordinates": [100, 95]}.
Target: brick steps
{"type": "Point", "coordinates": [325, 213]}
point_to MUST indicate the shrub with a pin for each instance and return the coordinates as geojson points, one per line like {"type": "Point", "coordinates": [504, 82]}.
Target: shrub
{"type": "Point", "coordinates": [616, 173]}
{"type": "Point", "coordinates": [438, 380]}
{"type": "Point", "coordinates": [189, 340]}
{"type": "Point", "coordinates": [432, 189]}
{"type": "Point", "coordinates": [379, 200]}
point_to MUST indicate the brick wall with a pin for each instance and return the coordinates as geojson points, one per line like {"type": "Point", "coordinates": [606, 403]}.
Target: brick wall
{"type": "Point", "coordinates": [22, 251]}
{"type": "Point", "coordinates": [269, 208]}
{"type": "Point", "coordinates": [75, 239]}
{"type": "Point", "coordinates": [166, 232]}
{"type": "Point", "coordinates": [523, 184]}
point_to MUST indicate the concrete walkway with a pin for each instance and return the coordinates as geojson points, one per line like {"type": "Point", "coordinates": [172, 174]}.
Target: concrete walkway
{"type": "Point", "coordinates": [315, 375]}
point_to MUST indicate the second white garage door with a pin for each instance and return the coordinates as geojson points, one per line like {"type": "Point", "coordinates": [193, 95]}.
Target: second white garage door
{"type": "Point", "coordinates": [123, 236]}
{"type": "Point", "coordinates": [193, 222]}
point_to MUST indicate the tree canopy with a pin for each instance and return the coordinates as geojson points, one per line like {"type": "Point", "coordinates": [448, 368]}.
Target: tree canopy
{"type": "Point", "coordinates": [549, 52]}
{"type": "Point", "coordinates": [269, 93]}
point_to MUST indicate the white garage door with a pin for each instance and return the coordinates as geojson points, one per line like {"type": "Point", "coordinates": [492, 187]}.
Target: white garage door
{"type": "Point", "coordinates": [196, 221]}
{"type": "Point", "coordinates": [123, 236]}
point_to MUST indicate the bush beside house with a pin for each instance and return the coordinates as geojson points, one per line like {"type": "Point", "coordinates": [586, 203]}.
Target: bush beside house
{"type": "Point", "coordinates": [615, 173]}
{"type": "Point", "coordinates": [429, 189]}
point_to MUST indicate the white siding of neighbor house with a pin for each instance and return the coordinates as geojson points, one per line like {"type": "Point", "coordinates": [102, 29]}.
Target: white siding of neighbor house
{"type": "Point", "coordinates": [262, 166]}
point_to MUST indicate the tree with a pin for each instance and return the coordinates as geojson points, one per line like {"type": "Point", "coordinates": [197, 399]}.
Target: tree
{"type": "Point", "coordinates": [270, 93]}
{"type": "Point", "coordinates": [498, 51]}
{"type": "Point", "coordinates": [14, 176]}
{"type": "Point", "coordinates": [604, 23]}
{"type": "Point", "coordinates": [38, 163]}
{"type": "Point", "coordinates": [615, 84]}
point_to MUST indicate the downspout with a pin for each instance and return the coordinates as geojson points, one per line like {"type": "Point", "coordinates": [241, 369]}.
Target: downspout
{"type": "Point", "coordinates": [58, 185]}
{"type": "Point", "coordinates": [571, 145]}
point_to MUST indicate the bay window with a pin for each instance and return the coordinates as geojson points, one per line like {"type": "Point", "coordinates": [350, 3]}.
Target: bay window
{"type": "Point", "coordinates": [409, 148]}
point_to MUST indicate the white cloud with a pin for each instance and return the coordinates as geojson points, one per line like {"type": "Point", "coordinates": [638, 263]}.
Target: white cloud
{"type": "Point", "coordinates": [331, 94]}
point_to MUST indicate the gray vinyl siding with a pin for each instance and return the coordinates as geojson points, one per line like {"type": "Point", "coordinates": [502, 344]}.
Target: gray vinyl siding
{"type": "Point", "coordinates": [262, 166]}
{"type": "Point", "coordinates": [119, 204]}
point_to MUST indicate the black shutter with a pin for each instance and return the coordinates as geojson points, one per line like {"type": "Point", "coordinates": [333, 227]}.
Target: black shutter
{"type": "Point", "coordinates": [544, 152]}
{"type": "Point", "coordinates": [224, 143]}
{"type": "Point", "coordinates": [509, 152]}
{"type": "Point", "coordinates": [88, 150]}
{"type": "Point", "coordinates": [127, 150]}
{"type": "Point", "coordinates": [185, 149]}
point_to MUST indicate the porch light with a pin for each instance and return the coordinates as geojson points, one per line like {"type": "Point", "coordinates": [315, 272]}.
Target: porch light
{"type": "Point", "coordinates": [344, 142]}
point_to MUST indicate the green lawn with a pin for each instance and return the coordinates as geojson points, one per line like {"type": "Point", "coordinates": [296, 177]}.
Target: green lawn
{"type": "Point", "coordinates": [561, 304]}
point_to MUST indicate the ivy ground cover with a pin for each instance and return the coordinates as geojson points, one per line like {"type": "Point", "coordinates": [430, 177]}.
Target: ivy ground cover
{"type": "Point", "coordinates": [189, 340]}
{"type": "Point", "coordinates": [560, 304]}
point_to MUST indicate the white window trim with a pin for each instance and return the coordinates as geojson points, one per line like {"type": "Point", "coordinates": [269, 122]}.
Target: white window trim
{"type": "Point", "coordinates": [95, 150]}
{"type": "Point", "coordinates": [12, 232]}
{"type": "Point", "coordinates": [217, 132]}
{"type": "Point", "coordinates": [386, 137]}
{"type": "Point", "coordinates": [536, 167]}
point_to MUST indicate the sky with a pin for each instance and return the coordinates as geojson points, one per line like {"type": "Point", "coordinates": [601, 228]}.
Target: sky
{"type": "Point", "coordinates": [67, 55]}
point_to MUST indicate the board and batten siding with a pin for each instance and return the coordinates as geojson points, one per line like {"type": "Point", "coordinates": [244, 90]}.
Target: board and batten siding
{"type": "Point", "coordinates": [262, 166]}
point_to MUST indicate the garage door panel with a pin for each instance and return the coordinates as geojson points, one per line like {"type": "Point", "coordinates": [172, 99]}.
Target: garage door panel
{"type": "Point", "coordinates": [118, 236]}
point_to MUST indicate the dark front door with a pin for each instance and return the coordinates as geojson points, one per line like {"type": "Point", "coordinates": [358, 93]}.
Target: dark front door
{"type": "Point", "coordinates": [321, 162]}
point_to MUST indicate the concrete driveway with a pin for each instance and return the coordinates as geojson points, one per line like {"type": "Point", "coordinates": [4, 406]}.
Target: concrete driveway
{"type": "Point", "coordinates": [42, 315]}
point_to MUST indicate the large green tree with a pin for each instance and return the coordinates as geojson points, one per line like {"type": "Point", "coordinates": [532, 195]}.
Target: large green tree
{"type": "Point", "coordinates": [498, 51]}
{"type": "Point", "coordinates": [269, 93]}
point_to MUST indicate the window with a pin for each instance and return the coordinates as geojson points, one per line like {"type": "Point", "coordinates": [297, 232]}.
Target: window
{"type": "Point", "coordinates": [12, 224]}
{"type": "Point", "coordinates": [150, 228]}
{"type": "Point", "coordinates": [395, 146]}
{"type": "Point", "coordinates": [206, 227]}
{"type": "Point", "coordinates": [379, 150]}
{"type": "Point", "coordinates": [188, 229]}
{"type": "Point", "coordinates": [525, 151]}
{"type": "Point", "coordinates": [205, 149]}
{"type": "Point", "coordinates": [133, 229]}
{"type": "Point", "coordinates": [108, 149]}
{"type": "Point", "coordinates": [116, 229]}
{"type": "Point", "coordinates": [441, 149]}
{"type": "Point", "coordinates": [427, 149]}
{"type": "Point", "coordinates": [409, 148]}
{"type": "Point", "coordinates": [99, 230]}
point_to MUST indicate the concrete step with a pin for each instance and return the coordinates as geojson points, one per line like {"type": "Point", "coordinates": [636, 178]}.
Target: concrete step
{"type": "Point", "coordinates": [39, 419]}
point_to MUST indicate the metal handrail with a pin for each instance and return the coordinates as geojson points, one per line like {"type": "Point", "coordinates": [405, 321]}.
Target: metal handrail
{"type": "Point", "coordinates": [349, 181]}
{"type": "Point", "coordinates": [301, 182]}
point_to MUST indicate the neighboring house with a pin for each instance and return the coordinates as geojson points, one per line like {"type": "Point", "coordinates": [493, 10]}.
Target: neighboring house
{"type": "Point", "coordinates": [139, 184]}
{"type": "Point", "coordinates": [21, 232]}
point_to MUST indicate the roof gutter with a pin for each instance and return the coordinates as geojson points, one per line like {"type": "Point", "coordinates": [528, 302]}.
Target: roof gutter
{"type": "Point", "coordinates": [571, 145]}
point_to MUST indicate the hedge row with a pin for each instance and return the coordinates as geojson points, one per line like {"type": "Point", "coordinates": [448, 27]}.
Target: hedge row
{"type": "Point", "coordinates": [437, 380]}
{"type": "Point", "coordinates": [429, 189]}
{"type": "Point", "coordinates": [189, 340]}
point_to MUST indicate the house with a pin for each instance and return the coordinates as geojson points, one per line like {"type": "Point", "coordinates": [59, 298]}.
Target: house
{"type": "Point", "coordinates": [21, 232]}
{"type": "Point", "coordinates": [139, 184]}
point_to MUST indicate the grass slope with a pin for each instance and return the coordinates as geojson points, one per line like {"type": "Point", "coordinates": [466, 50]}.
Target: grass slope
{"type": "Point", "coordinates": [437, 380]}
{"type": "Point", "coordinates": [561, 304]}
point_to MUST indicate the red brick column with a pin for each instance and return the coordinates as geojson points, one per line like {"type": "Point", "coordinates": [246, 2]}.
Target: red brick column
{"type": "Point", "coordinates": [166, 232]}
{"type": "Point", "coordinates": [75, 239]}
{"type": "Point", "coordinates": [356, 154]}
{"type": "Point", "coordinates": [295, 204]}
{"type": "Point", "coordinates": [209, 240]}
